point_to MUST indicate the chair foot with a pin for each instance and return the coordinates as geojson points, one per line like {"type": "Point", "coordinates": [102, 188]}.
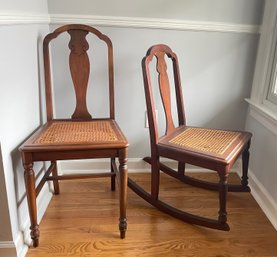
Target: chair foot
{"type": "Point", "coordinates": [35, 242]}
{"type": "Point", "coordinates": [35, 235]}
{"type": "Point", "coordinates": [122, 227]}
{"type": "Point", "coordinates": [181, 215]}
{"type": "Point", "coordinates": [122, 234]}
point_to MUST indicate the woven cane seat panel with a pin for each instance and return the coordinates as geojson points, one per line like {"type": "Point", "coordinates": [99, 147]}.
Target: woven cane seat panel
{"type": "Point", "coordinates": [78, 132]}
{"type": "Point", "coordinates": [206, 140]}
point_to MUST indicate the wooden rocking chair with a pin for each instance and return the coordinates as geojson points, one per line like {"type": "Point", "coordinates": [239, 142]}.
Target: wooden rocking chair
{"type": "Point", "coordinates": [208, 148]}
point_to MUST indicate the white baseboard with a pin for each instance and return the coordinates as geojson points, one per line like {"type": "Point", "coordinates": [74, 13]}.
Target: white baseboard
{"type": "Point", "coordinates": [23, 239]}
{"type": "Point", "coordinates": [263, 198]}
{"type": "Point", "coordinates": [134, 165]}
{"type": "Point", "coordinates": [7, 249]}
{"type": "Point", "coordinates": [100, 165]}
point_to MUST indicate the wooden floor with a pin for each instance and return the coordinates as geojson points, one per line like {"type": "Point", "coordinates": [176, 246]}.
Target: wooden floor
{"type": "Point", "coordinates": [83, 221]}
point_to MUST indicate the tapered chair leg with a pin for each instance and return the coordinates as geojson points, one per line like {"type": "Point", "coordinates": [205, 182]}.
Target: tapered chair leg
{"type": "Point", "coordinates": [55, 182]}
{"type": "Point", "coordinates": [155, 177]}
{"type": "Point", "coordinates": [181, 169]}
{"type": "Point", "coordinates": [112, 177]}
{"type": "Point", "coordinates": [223, 190]}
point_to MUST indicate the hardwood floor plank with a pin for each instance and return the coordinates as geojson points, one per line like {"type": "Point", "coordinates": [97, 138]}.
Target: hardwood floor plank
{"type": "Point", "coordinates": [83, 222]}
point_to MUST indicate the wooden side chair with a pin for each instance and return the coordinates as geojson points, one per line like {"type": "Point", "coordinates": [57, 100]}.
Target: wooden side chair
{"type": "Point", "coordinates": [208, 148]}
{"type": "Point", "coordinates": [79, 137]}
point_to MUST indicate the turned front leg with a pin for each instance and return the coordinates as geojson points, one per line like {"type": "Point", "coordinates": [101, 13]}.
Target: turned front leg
{"type": "Point", "coordinates": [123, 179]}
{"type": "Point", "coordinates": [29, 176]}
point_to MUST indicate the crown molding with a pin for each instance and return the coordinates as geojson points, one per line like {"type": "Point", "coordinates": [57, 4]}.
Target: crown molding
{"type": "Point", "coordinates": [127, 22]}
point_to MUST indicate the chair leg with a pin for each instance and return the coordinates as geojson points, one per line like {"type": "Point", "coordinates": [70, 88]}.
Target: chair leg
{"type": "Point", "coordinates": [112, 177]}
{"type": "Point", "coordinates": [55, 182]}
{"type": "Point", "coordinates": [29, 177]}
{"type": "Point", "coordinates": [155, 177]}
{"type": "Point", "coordinates": [223, 189]}
{"type": "Point", "coordinates": [245, 163]}
{"type": "Point", "coordinates": [181, 169]}
{"type": "Point", "coordinates": [123, 180]}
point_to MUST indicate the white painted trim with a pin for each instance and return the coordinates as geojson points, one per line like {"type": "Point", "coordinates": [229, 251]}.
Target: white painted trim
{"type": "Point", "coordinates": [127, 22]}
{"type": "Point", "coordinates": [101, 165]}
{"type": "Point", "coordinates": [23, 18]}
{"type": "Point", "coordinates": [6, 250]}
{"type": "Point", "coordinates": [264, 55]}
{"type": "Point", "coordinates": [260, 108]}
{"type": "Point", "coordinates": [263, 198]}
{"type": "Point", "coordinates": [133, 164]}
{"type": "Point", "coordinates": [263, 115]}
{"type": "Point", "coordinates": [152, 23]}
{"type": "Point", "coordinates": [7, 244]}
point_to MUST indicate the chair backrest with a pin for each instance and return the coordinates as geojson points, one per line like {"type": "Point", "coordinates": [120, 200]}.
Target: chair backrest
{"type": "Point", "coordinates": [160, 51]}
{"type": "Point", "coordinates": [79, 68]}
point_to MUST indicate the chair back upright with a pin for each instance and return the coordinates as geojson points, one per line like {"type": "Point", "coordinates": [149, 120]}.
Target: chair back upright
{"type": "Point", "coordinates": [79, 68]}
{"type": "Point", "coordinates": [160, 51]}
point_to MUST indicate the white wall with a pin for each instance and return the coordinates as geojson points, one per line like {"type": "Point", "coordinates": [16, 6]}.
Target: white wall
{"type": "Point", "coordinates": [216, 68]}
{"type": "Point", "coordinates": [28, 6]}
{"type": "Point", "coordinates": [263, 167]}
{"type": "Point", "coordinates": [235, 11]}
{"type": "Point", "coordinates": [262, 122]}
{"type": "Point", "coordinates": [20, 110]}
{"type": "Point", "coordinates": [263, 162]}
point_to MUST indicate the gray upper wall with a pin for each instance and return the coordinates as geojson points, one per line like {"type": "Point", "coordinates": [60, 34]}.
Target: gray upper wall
{"type": "Point", "coordinates": [18, 6]}
{"type": "Point", "coordinates": [216, 68]}
{"type": "Point", "coordinates": [226, 11]}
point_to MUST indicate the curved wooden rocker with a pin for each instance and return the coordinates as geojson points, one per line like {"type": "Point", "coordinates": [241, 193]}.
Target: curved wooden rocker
{"type": "Point", "coordinates": [204, 147]}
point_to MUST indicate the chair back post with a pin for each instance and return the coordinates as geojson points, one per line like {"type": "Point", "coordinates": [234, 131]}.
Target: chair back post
{"type": "Point", "coordinates": [159, 51]}
{"type": "Point", "coordinates": [152, 122]}
{"type": "Point", "coordinates": [178, 91]}
{"type": "Point", "coordinates": [78, 56]}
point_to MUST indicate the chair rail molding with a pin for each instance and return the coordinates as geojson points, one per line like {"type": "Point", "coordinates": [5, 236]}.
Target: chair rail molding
{"type": "Point", "coordinates": [127, 22]}
{"type": "Point", "coordinates": [153, 23]}
{"type": "Point", "coordinates": [23, 18]}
